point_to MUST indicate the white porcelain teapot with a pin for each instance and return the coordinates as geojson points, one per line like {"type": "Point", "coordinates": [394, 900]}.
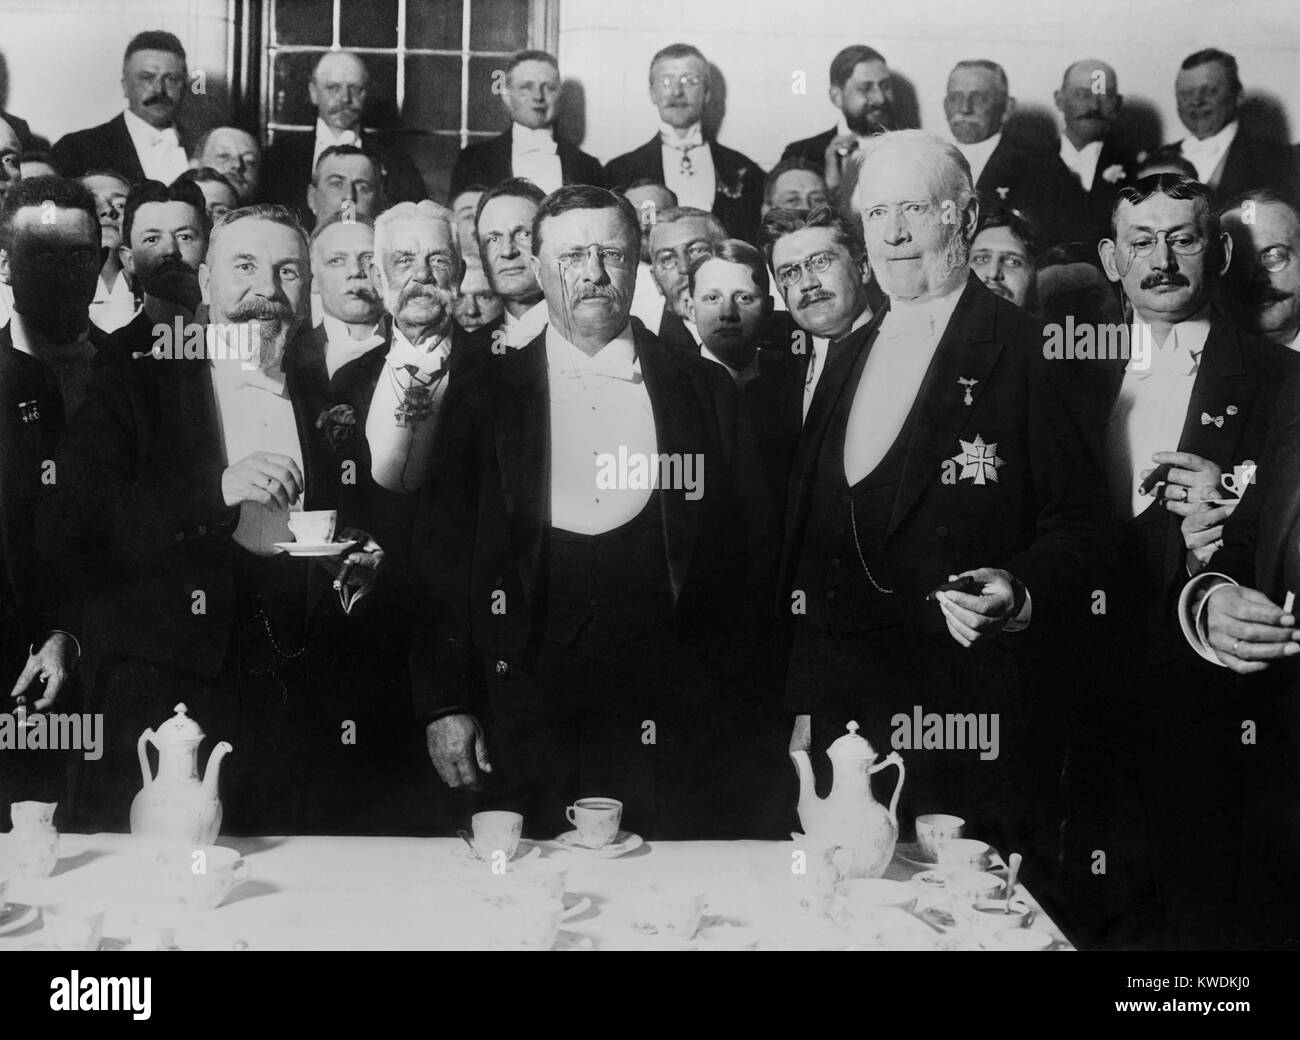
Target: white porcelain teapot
{"type": "Point", "coordinates": [176, 807]}
{"type": "Point", "coordinates": [850, 817]}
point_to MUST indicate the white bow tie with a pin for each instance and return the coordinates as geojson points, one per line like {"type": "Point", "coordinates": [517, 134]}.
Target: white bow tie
{"type": "Point", "coordinates": [604, 368]}
{"type": "Point", "coordinates": [907, 323]}
{"type": "Point", "coordinates": [694, 139]}
{"type": "Point", "coordinates": [428, 361]}
{"type": "Point", "coordinates": [161, 138]}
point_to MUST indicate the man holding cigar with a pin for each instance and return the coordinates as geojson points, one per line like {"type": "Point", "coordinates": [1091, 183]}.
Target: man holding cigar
{"type": "Point", "coordinates": [1152, 737]}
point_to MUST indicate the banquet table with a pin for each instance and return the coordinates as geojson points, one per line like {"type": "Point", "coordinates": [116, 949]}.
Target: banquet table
{"type": "Point", "coordinates": [379, 893]}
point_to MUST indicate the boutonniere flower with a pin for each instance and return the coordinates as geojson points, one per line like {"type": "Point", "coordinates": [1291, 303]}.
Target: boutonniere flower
{"type": "Point", "coordinates": [736, 190]}
{"type": "Point", "coordinates": [339, 424]}
{"type": "Point", "coordinates": [1113, 174]}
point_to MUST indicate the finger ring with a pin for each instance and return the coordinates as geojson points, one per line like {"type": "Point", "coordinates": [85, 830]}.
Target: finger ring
{"type": "Point", "coordinates": [1234, 647]}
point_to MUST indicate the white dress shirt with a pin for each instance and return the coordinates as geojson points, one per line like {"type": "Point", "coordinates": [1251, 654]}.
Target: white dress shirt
{"type": "Point", "coordinates": [340, 347]}
{"type": "Point", "coordinates": [111, 309]}
{"type": "Point", "coordinates": [160, 153]}
{"type": "Point", "coordinates": [816, 363]}
{"type": "Point", "coordinates": [1149, 413]}
{"type": "Point", "coordinates": [519, 332]}
{"type": "Point", "coordinates": [1206, 155]}
{"type": "Point", "coordinates": [255, 414]}
{"type": "Point", "coordinates": [1082, 162]}
{"type": "Point", "coordinates": [698, 188]}
{"type": "Point", "coordinates": [6, 302]}
{"type": "Point", "coordinates": [891, 378]}
{"type": "Point", "coordinates": [600, 411]}
{"type": "Point", "coordinates": [647, 300]}
{"type": "Point", "coordinates": [533, 155]}
{"type": "Point", "coordinates": [327, 138]}
{"type": "Point", "coordinates": [978, 154]}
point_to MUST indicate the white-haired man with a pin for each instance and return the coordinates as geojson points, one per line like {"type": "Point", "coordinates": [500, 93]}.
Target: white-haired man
{"type": "Point", "coordinates": [929, 455]}
{"type": "Point", "coordinates": [417, 268]}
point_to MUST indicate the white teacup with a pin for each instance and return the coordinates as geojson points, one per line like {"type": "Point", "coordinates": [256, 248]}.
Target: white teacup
{"type": "Point", "coordinates": [203, 877]}
{"type": "Point", "coordinates": [596, 820]}
{"type": "Point", "coordinates": [963, 854]}
{"type": "Point", "coordinates": [29, 815]}
{"type": "Point", "coordinates": [935, 830]}
{"type": "Point", "coordinates": [974, 884]}
{"type": "Point", "coordinates": [36, 851]}
{"type": "Point", "coordinates": [675, 909]}
{"type": "Point", "coordinates": [313, 526]}
{"type": "Point", "coordinates": [496, 832]}
{"type": "Point", "coordinates": [1240, 478]}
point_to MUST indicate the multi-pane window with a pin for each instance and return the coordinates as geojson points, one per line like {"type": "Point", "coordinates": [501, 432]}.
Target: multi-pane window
{"type": "Point", "coordinates": [431, 63]}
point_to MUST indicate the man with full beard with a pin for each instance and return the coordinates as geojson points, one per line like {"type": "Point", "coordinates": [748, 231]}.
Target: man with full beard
{"type": "Point", "coordinates": [164, 235]}
{"type": "Point", "coordinates": [938, 446]}
{"type": "Point", "coordinates": [175, 484]}
{"type": "Point", "coordinates": [862, 88]}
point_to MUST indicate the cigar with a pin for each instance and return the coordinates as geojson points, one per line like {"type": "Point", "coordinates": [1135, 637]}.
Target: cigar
{"type": "Point", "coordinates": [1156, 476]}
{"type": "Point", "coordinates": [967, 584]}
{"type": "Point", "coordinates": [1289, 602]}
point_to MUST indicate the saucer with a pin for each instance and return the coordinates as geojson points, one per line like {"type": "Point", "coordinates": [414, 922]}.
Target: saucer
{"type": "Point", "coordinates": [316, 548]}
{"type": "Point", "coordinates": [14, 916]}
{"type": "Point", "coordinates": [624, 842]}
{"type": "Point", "coordinates": [910, 852]}
{"type": "Point", "coordinates": [526, 850]}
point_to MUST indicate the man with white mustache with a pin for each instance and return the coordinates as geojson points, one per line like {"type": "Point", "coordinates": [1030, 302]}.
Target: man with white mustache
{"type": "Point", "coordinates": [929, 454]}
{"type": "Point", "coordinates": [175, 484]}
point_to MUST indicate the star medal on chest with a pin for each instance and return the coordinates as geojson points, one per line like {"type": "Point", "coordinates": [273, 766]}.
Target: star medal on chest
{"type": "Point", "coordinates": [979, 461]}
{"type": "Point", "coordinates": [416, 403]}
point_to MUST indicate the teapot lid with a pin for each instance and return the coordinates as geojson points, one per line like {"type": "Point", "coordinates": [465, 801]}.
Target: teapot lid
{"type": "Point", "coordinates": [851, 747]}
{"type": "Point", "coordinates": [180, 728]}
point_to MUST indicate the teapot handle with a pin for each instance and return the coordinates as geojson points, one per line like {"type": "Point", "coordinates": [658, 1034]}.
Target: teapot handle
{"type": "Point", "coordinates": [893, 759]}
{"type": "Point", "coordinates": [146, 737]}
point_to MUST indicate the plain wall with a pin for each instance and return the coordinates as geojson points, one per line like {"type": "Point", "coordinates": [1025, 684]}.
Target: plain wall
{"type": "Point", "coordinates": [61, 60]}
{"type": "Point", "coordinates": [605, 49]}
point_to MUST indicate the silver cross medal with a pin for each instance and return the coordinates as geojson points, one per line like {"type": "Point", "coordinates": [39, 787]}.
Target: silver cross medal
{"type": "Point", "coordinates": [968, 385]}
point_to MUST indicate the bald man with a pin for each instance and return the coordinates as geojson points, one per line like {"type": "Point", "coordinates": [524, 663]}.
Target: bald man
{"type": "Point", "coordinates": [1094, 157]}
{"type": "Point", "coordinates": [338, 88]}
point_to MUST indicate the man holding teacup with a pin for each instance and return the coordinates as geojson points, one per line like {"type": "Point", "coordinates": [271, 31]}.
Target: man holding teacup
{"type": "Point", "coordinates": [175, 484]}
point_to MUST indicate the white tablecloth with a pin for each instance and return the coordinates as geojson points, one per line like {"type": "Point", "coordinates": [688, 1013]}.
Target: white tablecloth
{"type": "Point", "coordinates": [334, 893]}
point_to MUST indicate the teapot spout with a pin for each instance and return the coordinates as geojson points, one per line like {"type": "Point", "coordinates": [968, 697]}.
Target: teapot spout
{"type": "Point", "coordinates": [807, 785]}
{"type": "Point", "coordinates": [214, 768]}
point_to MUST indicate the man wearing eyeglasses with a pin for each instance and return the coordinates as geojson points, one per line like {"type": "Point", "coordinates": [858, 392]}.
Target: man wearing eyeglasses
{"type": "Point", "coordinates": [585, 597]}
{"type": "Point", "coordinates": [145, 141]}
{"type": "Point", "coordinates": [504, 230]}
{"type": "Point", "coordinates": [530, 148]}
{"type": "Point", "coordinates": [1264, 278]}
{"type": "Point", "coordinates": [1155, 747]}
{"type": "Point", "coordinates": [681, 239]}
{"type": "Point", "coordinates": [339, 86]}
{"type": "Point", "coordinates": [50, 257]}
{"type": "Point", "coordinates": [700, 172]}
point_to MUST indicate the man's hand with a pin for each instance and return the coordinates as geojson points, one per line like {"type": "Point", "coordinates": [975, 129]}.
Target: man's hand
{"type": "Point", "coordinates": [1203, 529]}
{"type": "Point", "coordinates": [801, 735]}
{"type": "Point", "coordinates": [1191, 481]}
{"type": "Point", "coordinates": [833, 161]}
{"type": "Point", "coordinates": [263, 477]}
{"type": "Point", "coordinates": [976, 619]}
{"type": "Point", "coordinates": [358, 571]}
{"type": "Point", "coordinates": [456, 745]}
{"type": "Point", "coordinates": [1247, 630]}
{"type": "Point", "coordinates": [52, 664]}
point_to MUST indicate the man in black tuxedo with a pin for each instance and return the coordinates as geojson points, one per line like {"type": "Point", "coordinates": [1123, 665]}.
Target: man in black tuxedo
{"type": "Point", "coordinates": [530, 148]}
{"type": "Point", "coordinates": [1240, 614]}
{"type": "Point", "coordinates": [731, 304]}
{"type": "Point", "coordinates": [52, 268]}
{"type": "Point", "coordinates": [978, 104]}
{"type": "Point", "coordinates": [862, 88]}
{"type": "Point", "coordinates": [145, 141]}
{"type": "Point", "coordinates": [1264, 279]}
{"type": "Point", "coordinates": [175, 483]}
{"type": "Point", "coordinates": [236, 155]}
{"type": "Point", "coordinates": [164, 238]}
{"type": "Point", "coordinates": [338, 88]}
{"type": "Point", "coordinates": [1230, 155]}
{"type": "Point", "coordinates": [1096, 161]}
{"type": "Point", "coordinates": [940, 445]}
{"type": "Point", "coordinates": [11, 171]}
{"type": "Point", "coordinates": [699, 171]}
{"type": "Point", "coordinates": [681, 239]}
{"type": "Point", "coordinates": [578, 623]}
{"type": "Point", "coordinates": [346, 180]}
{"type": "Point", "coordinates": [795, 183]}
{"type": "Point", "coordinates": [1153, 740]}
{"type": "Point", "coordinates": [503, 229]}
